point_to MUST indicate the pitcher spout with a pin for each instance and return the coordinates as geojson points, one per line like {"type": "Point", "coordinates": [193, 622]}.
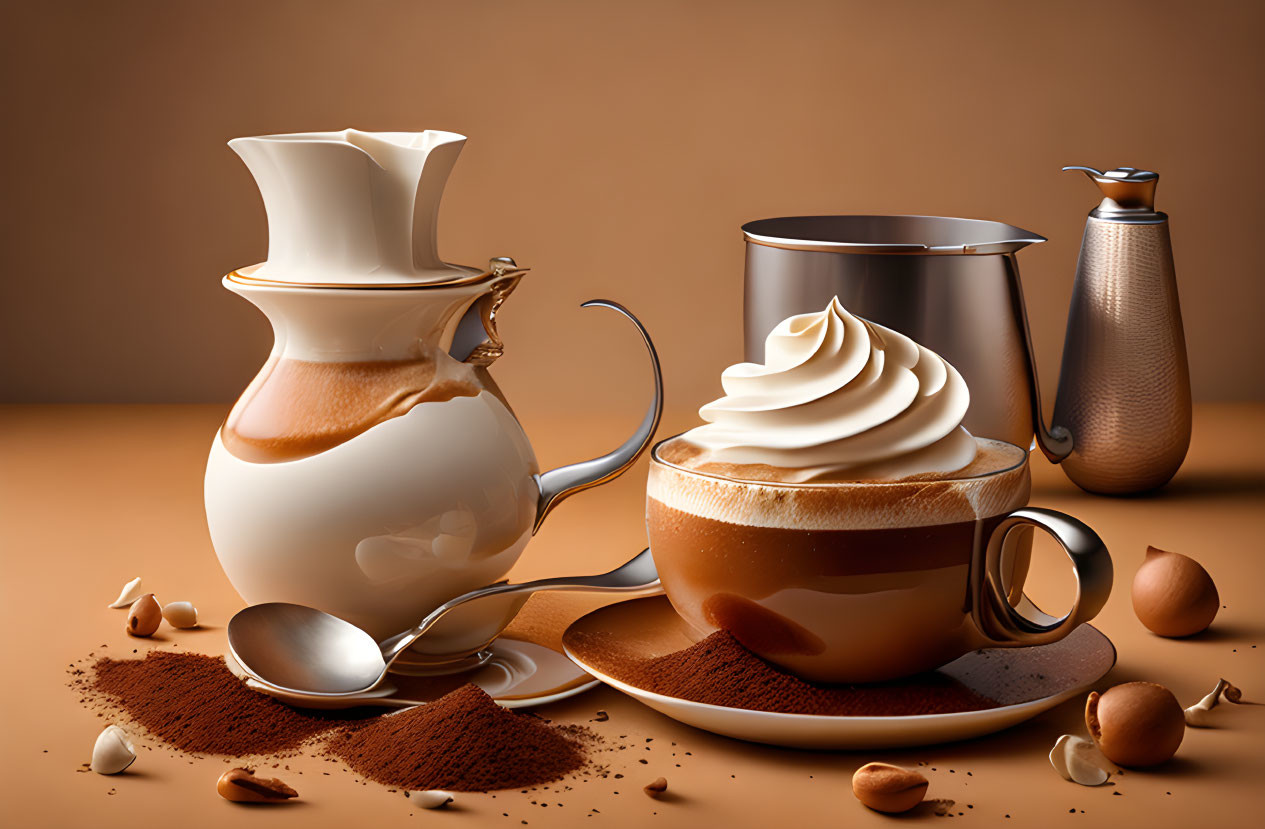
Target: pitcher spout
{"type": "Point", "coordinates": [352, 207]}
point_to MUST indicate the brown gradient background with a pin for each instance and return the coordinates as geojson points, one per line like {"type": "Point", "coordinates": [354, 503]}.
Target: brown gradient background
{"type": "Point", "coordinates": [613, 148]}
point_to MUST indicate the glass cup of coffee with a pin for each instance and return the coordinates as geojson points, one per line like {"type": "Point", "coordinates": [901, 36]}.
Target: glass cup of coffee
{"type": "Point", "coordinates": [861, 581]}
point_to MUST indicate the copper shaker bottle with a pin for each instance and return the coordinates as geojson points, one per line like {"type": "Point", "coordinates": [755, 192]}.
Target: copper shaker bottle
{"type": "Point", "coordinates": [1124, 388]}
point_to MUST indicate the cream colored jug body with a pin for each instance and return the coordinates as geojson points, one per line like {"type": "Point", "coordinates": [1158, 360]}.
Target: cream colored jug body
{"type": "Point", "coordinates": [373, 469]}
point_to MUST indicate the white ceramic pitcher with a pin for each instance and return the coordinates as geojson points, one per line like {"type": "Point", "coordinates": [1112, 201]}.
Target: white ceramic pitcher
{"type": "Point", "coordinates": [373, 469]}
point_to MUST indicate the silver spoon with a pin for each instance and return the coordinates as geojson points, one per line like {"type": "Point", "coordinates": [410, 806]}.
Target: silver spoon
{"type": "Point", "coordinates": [303, 652]}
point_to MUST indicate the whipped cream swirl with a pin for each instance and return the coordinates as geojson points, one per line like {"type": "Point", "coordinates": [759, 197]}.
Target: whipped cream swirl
{"type": "Point", "coordinates": [840, 398]}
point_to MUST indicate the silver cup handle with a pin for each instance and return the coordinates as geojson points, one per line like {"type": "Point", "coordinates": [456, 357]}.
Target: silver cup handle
{"type": "Point", "coordinates": [565, 481]}
{"type": "Point", "coordinates": [1004, 625]}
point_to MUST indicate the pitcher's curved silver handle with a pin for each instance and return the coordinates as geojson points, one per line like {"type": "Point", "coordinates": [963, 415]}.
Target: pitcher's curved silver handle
{"type": "Point", "coordinates": [565, 481]}
{"type": "Point", "coordinates": [1055, 442]}
{"type": "Point", "coordinates": [1003, 624]}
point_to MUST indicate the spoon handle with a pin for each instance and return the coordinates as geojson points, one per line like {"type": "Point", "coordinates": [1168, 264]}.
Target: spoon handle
{"type": "Point", "coordinates": [638, 574]}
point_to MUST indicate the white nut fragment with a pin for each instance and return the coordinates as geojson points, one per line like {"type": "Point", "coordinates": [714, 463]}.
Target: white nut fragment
{"type": "Point", "coordinates": [433, 799]}
{"type": "Point", "coordinates": [113, 751]}
{"type": "Point", "coordinates": [1200, 715]}
{"type": "Point", "coordinates": [1079, 760]}
{"type": "Point", "coordinates": [130, 593]}
{"type": "Point", "coordinates": [181, 614]}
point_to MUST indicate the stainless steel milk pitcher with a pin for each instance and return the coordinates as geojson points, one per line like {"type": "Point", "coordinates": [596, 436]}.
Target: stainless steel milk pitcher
{"type": "Point", "coordinates": [1122, 415]}
{"type": "Point", "coordinates": [950, 284]}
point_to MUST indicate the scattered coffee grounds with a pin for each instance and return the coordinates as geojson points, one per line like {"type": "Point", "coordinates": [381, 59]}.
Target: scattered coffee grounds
{"type": "Point", "coordinates": [720, 671]}
{"type": "Point", "coordinates": [461, 742]}
{"type": "Point", "coordinates": [194, 703]}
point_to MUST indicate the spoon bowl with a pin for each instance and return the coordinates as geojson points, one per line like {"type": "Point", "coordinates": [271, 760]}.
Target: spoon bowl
{"type": "Point", "coordinates": [301, 649]}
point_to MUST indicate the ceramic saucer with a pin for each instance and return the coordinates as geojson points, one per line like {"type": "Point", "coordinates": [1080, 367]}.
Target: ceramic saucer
{"type": "Point", "coordinates": [518, 675]}
{"type": "Point", "coordinates": [1021, 683]}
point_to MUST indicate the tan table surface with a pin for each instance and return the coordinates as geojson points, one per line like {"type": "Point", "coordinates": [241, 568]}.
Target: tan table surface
{"type": "Point", "coordinates": [91, 496]}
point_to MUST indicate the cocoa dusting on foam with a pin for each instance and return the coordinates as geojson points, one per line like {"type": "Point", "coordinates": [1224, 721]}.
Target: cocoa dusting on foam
{"type": "Point", "coordinates": [720, 671]}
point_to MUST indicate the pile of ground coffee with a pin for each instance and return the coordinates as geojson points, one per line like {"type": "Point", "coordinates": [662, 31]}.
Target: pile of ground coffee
{"type": "Point", "coordinates": [720, 671]}
{"type": "Point", "coordinates": [194, 703]}
{"type": "Point", "coordinates": [461, 742]}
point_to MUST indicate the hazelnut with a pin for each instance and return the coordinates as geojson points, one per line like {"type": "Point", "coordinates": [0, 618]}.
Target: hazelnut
{"type": "Point", "coordinates": [242, 786]}
{"type": "Point", "coordinates": [432, 799]}
{"type": "Point", "coordinates": [181, 614]}
{"type": "Point", "coordinates": [656, 787]}
{"type": "Point", "coordinates": [1136, 724]}
{"type": "Point", "coordinates": [130, 593]}
{"type": "Point", "coordinates": [144, 617]}
{"type": "Point", "coordinates": [887, 788]}
{"type": "Point", "coordinates": [113, 751]}
{"type": "Point", "coordinates": [1173, 595]}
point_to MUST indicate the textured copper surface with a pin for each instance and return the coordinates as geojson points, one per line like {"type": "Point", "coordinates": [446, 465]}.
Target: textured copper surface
{"type": "Point", "coordinates": [1124, 391]}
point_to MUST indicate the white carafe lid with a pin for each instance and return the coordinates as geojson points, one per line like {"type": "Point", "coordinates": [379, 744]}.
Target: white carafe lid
{"type": "Point", "coordinates": [352, 208]}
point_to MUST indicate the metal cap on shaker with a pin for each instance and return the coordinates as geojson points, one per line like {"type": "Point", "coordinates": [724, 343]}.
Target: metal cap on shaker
{"type": "Point", "coordinates": [1128, 194]}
